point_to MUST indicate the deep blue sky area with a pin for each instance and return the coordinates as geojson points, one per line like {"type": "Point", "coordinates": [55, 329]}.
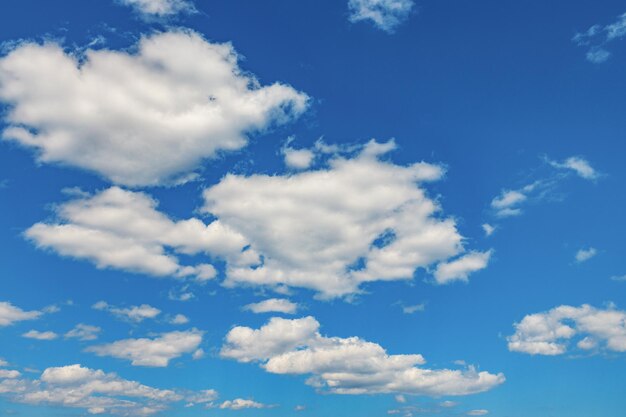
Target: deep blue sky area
{"type": "Point", "coordinates": [526, 127]}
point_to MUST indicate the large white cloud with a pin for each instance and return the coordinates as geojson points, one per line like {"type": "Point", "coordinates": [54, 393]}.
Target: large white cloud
{"type": "Point", "coordinates": [123, 229]}
{"type": "Point", "coordinates": [346, 365]}
{"type": "Point", "coordinates": [10, 314]}
{"type": "Point", "coordinates": [156, 352]}
{"type": "Point", "coordinates": [551, 332]}
{"type": "Point", "coordinates": [384, 14]}
{"type": "Point", "coordinates": [361, 219]}
{"type": "Point", "coordinates": [147, 117]}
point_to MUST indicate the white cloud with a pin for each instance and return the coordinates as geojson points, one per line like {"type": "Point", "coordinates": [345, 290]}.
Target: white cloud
{"type": "Point", "coordinates": [413, 308]}
{"type": "Point", "coordinates": [35, 334]}
{"type": "Point", "coordinates": [148, 117]}
{"type": "Point", "coordinates": [95, 391]}
{"type": "Point", "coordinates": [124, 230]}
{"type": "Point", "coordinates": [550, 333]}
{"type": "Point", "coordinates": [386, 15]}
{"type": "Point", "coordinates": [83, 332]}
{"type": "Point", "coordinates": [179, 319]}
{"type": "Point", "coordinates": [400, 398]}
{"type": "Point", "coordinates": [160, 8]}
{"type": "Point", "coordinates": [273, 305]}
{"type": "Point", "coordinates": [506, 204]}
{"type": "Point", "coordinates": [618, 278]}
{"type": "Point", "coordinates": [477, 412]}
{"type": "Point", "coordinates": [346, 365]}
{"type": "Point", "coordinates": [3, 362]}
{"type": "Point", "coordinates": [240, 404]}
{"type": "Point", "coordinates": [156, 352]}
{"type": "Point", "coordinates": [330, 230]}
{"type": "Point", "coordinates": [488, 229]}
{"type": "Point", "coordinates": [579, 165]}
{"type": "Point", "coordinates": [598, 36]}
{"type": "Point", "coordinates": [9, 374]}
{"type": "Point", "coordinates": [10, 314]}
{"type": "Point", "coordinates": [585, 254]}
{"type": "Point", "coordinates": [598, 55]}
{"type": "Point", "coordinates": [202, 397]}
{"type": "Point", "coordinates": [298, 158]}
{"type": "Point", "coordinates": [460, 268]}
{"type": "Point", "coordinates": [448, 404]}
{"type": "Point", "coordinates": [134, 313]}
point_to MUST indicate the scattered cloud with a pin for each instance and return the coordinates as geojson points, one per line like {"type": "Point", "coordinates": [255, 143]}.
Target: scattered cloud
{"type": "Point", "coordinates": [448, 404]}
{"type": "Point", "coordinates": [551, 332]}
{"type": "Point", "coordinates": [10, 314]}
{"type": "Point", "coordinates": [156, 352]}
{"type": "Point", "coordinates": [579, 165]}
{"type": "Point", "coordinates": [507, 203]}
{"type": "Point", "coordinates": [83, 332]}
{"type": "Point", "coordinates": [135, 314]}
{"type": "Point", "coordinates": [477, 412]}
{"type": "Point", "coordinates": [359, 220]}
{"type": "Point", "coordinates": [140, 118]}
{"type": "Point", "coordinates": [346, 365]}
{"type": "Point", "coordinates": [585, 254]}
{"type": "Point", "coordinates": [597, 37]}
{"type": "Point", "coordinates": [35, 334]}
{"type": "Point", "coordinates": [459, 269]}
{"type": "Point", "coordinates": [386, 15]}
{"type": "Point", "coordinates": [160, 8]}
{"type": "Point", "coordinates": [488, 229]}
{"type": "Point", "coordinates": [273, 305]}
{"type": "Point", "coordinates": [179, 319]}
{"type": "Point", "coordinates": [240, 404]}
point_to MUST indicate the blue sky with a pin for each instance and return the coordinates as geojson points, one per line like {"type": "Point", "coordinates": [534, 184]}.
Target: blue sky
{"type": "Point", "coordinates": [346, 208]}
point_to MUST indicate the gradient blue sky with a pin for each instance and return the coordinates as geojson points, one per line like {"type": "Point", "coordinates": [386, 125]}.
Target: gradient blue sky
{"type": "Point", "coordinates": [525, 118]}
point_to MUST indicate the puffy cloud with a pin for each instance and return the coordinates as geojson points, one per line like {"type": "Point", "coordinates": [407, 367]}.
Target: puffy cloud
{"type": "Point", "coordinates": [179, 319]}
{"type": "Point", "coordinates": [551, 332]}
{"type": "Point", "coordinates": [585, 254]}
{"type": "Point", "coordinates": [35, 334]}
{"type": "Point", "coordinates": [134, 313]}
{"type": "Point", "coordinates": [97, 392]}
{"type": "Point", "coordinates": [9, 374]}
{"type": "Point", "coordinates": [10, 314]}
{"type": "Point", "coordinates": [361, 219]}
{"type": "Point", "coordinates": [273, 305]}
{"type": "Point", "coordinates": [460, 268]}
{"type": "Point", "coordinates": [148, 117]}
{"type": "Point", "coordinates": [157, 352]}
{"type": "Point", "coordinates": [123, 229]}
{"type": "Point", "coordinates": [346, 365]}
{"type": "Point", "coordinates": [160, 8]}
{"type": "Point", "coordinates": [386, 15]}
{"type": "Point", "coordinates": [240, 404]}
{"type": "Point", "coordinates": [83, 332]}
{"type": "Point", "coordinates": [579, 165]}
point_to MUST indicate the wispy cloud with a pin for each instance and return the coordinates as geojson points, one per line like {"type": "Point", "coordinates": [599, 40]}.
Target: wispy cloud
{"type": "Point", "coordinates": [597, 37]}
{"type": "Point", "coordinates": [386, 15]}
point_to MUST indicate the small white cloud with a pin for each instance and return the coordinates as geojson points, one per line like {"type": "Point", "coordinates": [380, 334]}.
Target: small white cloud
{"type": "Point", "coordinates": [413, 308]}
{"type": "Point", "coordinates": [83, 332]}
{"type": "Point", "coordinates": [10, 314]}
{"type": "Point", "coordinates": [9, 374]}
{"type": "Point", "coordinates": [579, 165]}
{"type": "Point", "coordinates": [506, 204]}
{"type": "Point", "coordinates": [477, 412]}
{"type": "Point", "coordinates": [488, 229]}
{"type": "Point", "coordinates": [160, 8]}
{"type": "Point", "coordinates": [135, 314]}
{"type": "Point", "coordinates": [386, 15]}
{"type": "Point", "coordinates": [551, 332]}
{"type": "Point", "coordinates": [156, 352]}
{"type": "Point", "coordinates": [198, 354]}
{"type": "Point", "coordinates": [179, 319]}
{"type": "Point", "coordinates": [618, 278]}
{"type": "Point", "coordinates": [240, 404]}
{"type": "Point", "coordinates": [400, 398]}
{"type": "Point", "coordinates": [35, 334]}
{"type": "Point", "coordinates": [298, 158]}
{"type": "Point", "coordinates": [448, 404]}
{"type": "Point", "coordinates": [299, 408]}
{"type": "Point", "coordinates": [273, 305]}
{"type": "Point", "coordinates": [597, 56]}
{"type": "Point", "coordinates": [585, 254]}
{"type": "Point", "coordinates": [459, 269]}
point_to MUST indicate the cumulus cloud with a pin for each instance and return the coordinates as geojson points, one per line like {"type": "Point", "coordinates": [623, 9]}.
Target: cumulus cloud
{"type": "Point", "coordinates": [179, 319]}
{"type": "Point", "coordinates": [160, 8]}
{"type": "Point", "coordinates": [346, 365]}
{"type": "Point", "coordinates": [135, 314]}
{"type": "Point", "coordinates": [585, 254]}
{"type": "Point", "coordinates": [273, 305]}
{"type": "Point", "coordinates": [597, 37]}
{"type": "Point", "coordinates": [359, 220]}
{"type": "Point", "coordinates": [156, 352]}
{"type": "Point", "coordinates": [35, 334]}
{"type": "Point", "coordinates": [147, 117]}
{"type": "Point", "coordinates": [459, 269]}
{"type": "Point", "coordinates": [10, 314]}
{"type": "Point", "coordinates": [386, 15]}
{"type": "Point", "coordinates": [124, 230]}
{"type": "Point", "coordinates": [552, 332]}
{"type": "Point", "coordinates": [240, 404]}
{"type": "Point", "coordinates": [83, 332]}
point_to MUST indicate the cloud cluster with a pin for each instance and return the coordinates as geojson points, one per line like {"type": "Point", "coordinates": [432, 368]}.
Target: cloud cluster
{"type": "Point", "coordinates": [346, 365]}
{"type": "Point", "coordinates": [551, 332]}
{"type": "Point", "coordinates": [386, 15]}
{"type": "Point", "coordinates": [10, 314]}
{"type": "Point", "coordinates": [155, 352]}
{"type": "Point", "coordinates": [123, 229]}
{"type": "Point", "coordinates": [147, 117]}
{"type": "Point", "coordinates": [597, 37]}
